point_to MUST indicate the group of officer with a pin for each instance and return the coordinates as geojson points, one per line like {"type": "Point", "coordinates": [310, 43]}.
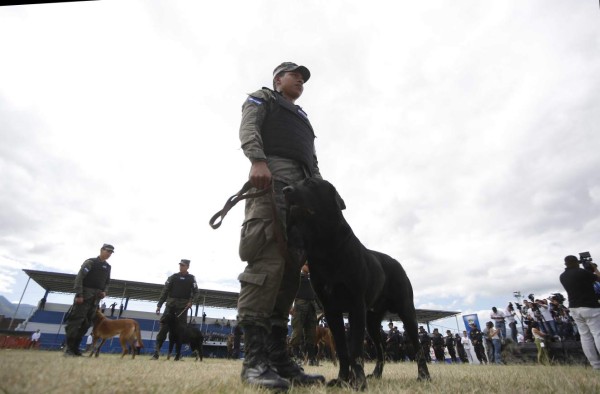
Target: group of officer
{"type": "Point", "coordinates": [91, 284]}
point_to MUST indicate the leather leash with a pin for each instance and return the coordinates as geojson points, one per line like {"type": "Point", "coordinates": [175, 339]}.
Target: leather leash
{"type": "Point", "coordinates": [239, 196]}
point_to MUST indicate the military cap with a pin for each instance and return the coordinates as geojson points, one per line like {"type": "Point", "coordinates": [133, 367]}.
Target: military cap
{"type": "Point", "coordinates": [185, 262]}
{"type": "Point", "coordinates": [108, 247]}
{"type": "Point", "coordinates": [289, 66]}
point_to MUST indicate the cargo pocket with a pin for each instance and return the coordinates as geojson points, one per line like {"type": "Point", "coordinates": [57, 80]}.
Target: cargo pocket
{"type": "Point", "coordinates": [255, 279]}
{"type": "Point", "coordinates": [255, 234]}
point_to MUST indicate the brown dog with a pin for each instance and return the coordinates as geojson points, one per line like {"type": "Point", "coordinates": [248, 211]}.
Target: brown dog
{"type": "Point", "coordinates": [128, 331]}
{"type": "Point", "coordinates": [324, 340]}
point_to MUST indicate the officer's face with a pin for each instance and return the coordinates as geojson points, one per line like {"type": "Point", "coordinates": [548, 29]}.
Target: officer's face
{"type": "Point", "coordinates": [105, 254]}
{"type": "Point", "coordinates": [183, 268]}
{"type": "Point", "coordinates": [290, 84]}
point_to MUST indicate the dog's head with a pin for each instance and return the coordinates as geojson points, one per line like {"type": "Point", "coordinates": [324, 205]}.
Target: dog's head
{"type": "Point", "coordinates": [313, 196]}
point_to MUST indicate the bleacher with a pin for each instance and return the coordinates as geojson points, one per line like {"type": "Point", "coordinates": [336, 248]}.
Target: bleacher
{"type": "Point", "coordinates": [50, 323]}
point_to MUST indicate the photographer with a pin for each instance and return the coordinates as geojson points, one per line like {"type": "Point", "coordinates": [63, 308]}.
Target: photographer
{"type": "Point", "coordinates": [583, 303]}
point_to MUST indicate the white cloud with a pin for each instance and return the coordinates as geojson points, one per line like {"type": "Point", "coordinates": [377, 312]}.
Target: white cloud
{"type": "Point", "coordinates": [461, 136]}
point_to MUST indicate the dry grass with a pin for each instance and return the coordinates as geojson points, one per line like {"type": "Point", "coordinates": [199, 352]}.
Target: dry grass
{"type": "Point", "coordinates": [23, 371]}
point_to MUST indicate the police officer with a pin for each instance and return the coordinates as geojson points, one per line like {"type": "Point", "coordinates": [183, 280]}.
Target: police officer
{"type": "Point", "coordinates": [437, 342]}
{"type": "Point", "coordinates": [278, 139]}
{"type": "Point", "coordinates": [450, 341]}
{"type": "Point", "coordinates": [425, 340]}
{"type": "Point", "coordinates": [304, 317]}
{"type": "Point", "coordinates": [90, 287]}
{"type": "Point", "coordinates": [179, 292]}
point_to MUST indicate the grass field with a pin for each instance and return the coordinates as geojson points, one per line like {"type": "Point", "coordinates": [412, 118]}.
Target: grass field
{"type": "Point", "coordinates": [27, 371]}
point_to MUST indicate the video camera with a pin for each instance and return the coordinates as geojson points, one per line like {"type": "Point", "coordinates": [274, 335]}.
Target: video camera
{"type": "Point", "coordinates": [585, 259]}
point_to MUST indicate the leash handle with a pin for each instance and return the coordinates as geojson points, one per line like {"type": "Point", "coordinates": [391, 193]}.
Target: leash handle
{"type": "Point", "coordinates": [216, 220]}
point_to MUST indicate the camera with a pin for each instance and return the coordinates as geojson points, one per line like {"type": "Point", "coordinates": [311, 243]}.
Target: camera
{"type": "Point", "coordinates": [585, 259]}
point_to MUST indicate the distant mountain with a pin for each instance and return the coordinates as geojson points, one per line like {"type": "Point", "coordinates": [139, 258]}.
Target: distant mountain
{"type": "Point", "coordinates": [7, 309]}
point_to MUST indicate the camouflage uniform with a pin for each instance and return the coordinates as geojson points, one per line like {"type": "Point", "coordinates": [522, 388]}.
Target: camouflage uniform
{"type": "Point", "coordinates": [269, 283]}
{"type": "Point", "coordinates": [93, 272]}
{"type": "Point", "coordinates": [176, 287]}
{"type": "Point", "coordinates": [304, 319]}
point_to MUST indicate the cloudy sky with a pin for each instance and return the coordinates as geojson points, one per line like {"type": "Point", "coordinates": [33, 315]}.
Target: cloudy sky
{"type": "Point", "coordinates": [460, 135]}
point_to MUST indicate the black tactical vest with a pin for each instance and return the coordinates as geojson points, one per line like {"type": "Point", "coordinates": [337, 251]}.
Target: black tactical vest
{"type": "Point", "coordinates": [286, 132]}
{"type": "Point", "coordinates": [98, 275]}
{"type": "Point", "coordinates": [181, 286]}
{"type": "Point", "coordinates": [305, 291]}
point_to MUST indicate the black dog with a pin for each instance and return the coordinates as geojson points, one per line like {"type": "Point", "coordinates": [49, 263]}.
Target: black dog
{"type": "Point", "coordinates": [348, 277]}
{"type": "Point", "coordinates": [183, 334]}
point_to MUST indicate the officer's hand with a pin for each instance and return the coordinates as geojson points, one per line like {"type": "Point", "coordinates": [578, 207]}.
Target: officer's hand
{"type": "Point", "coordinates": [158, 311]}
{"type": "Point", "coordinates": [260, 175]}
{"type": "Point", "coordinates": [79, 300]}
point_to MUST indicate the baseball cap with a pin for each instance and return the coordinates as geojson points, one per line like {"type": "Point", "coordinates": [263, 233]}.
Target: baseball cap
{"type": "Point", "coordinates": [108, 247]}
{"type": "Point", "coordinates": [185, 262]}
{"type": "Point", "coordinates": [289, 66]}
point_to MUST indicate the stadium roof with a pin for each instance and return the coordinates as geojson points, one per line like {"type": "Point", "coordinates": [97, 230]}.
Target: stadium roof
{"type": "Point", "coordinates": [56, 282]}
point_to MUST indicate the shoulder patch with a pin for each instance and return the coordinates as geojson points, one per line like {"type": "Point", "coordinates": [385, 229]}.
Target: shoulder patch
{"type": "Point", "coordinates": [301, 112]}
{"type": "Point", "coordinates": [255, 100]}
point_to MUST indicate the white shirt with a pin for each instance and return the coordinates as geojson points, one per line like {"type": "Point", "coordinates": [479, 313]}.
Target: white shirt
{"type": "Point", "coordinates": [36, 336]}
{"type": "Point", "coordinates": [498, 316]}
{"type": "Point", "coordinates": [89, 340]}
{"type": "Point", "coordinates": [465, 342]}
{"type": "Point", "coordinates": [510, 316]}
{"type": "Point", "coordinates": [545, 312]}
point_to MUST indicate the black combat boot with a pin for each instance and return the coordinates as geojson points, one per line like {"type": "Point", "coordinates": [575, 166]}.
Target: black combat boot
{"type": "Point", "coordinates": [71, 350]}
{"type": "Point", "coordinates": [281, 360]}
{"type": "Point", "coordinates": [312, 353]}
{"type": "Point", "coordinates": [256, 370]}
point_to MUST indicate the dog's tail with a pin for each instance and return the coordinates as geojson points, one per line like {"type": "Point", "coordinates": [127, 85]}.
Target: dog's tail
{"type": "Point", "coordinates": [138, 334]}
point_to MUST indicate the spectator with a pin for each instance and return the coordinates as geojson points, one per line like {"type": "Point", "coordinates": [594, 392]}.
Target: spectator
{"type": "Point", "coordinates": [42, 303]}
{"type": "Point", "coordinates": [488, 344]}
{"type": "Point", "coordinates": [463, 346]}
{"type": "Point", "coordinates": [510, 314]}
{"type": "Point", "coordinates": [583, 305]}
{"type": "Point", "coordinates": [494, 335]}
{"type": "Point", "coordinates": [549, 326]}
{"type": "Point", "coordinates": [499, 321]}
{"type": "Point", "coordinates": [540, 344]}
{"type": "Point", "coordinates": [35, 340]}
{"type": "Point", "coordinates": [88, 343]}
{"type": "Point", "coordinates": [112, 309]}
{"type": "Point", "coordinates": [103, 307]}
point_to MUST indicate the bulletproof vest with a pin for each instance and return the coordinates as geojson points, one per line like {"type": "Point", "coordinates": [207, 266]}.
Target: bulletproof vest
{"type": "Point", "coordinates": [98, 275]}
{"type": "Point", "coordinates": [305, 291]}
{"type": "Point", "coordinates": [286, 132]}
{"type": "Point", "coordinates": [181, 286]}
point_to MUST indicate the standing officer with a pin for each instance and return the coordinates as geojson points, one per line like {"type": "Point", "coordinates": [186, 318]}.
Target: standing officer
{"type": "Point", "coordinates": [437, 342]}
{"type": "Point", "coordinates": [304, 317]}
{"type": "Point", "coordinates": [425, 340]}
{"type": "Point", "coordinates": [278, 139]}
{"type": "Point", "coordinates": [179, 292]}
{"type": "Point", "coordinates": [90, 287]}
{"type": "Point", "coordinates": [450, 341]}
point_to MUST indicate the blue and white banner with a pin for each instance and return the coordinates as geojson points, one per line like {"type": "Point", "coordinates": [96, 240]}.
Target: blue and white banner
{"type": "Point", "coordinates": [468, 319]}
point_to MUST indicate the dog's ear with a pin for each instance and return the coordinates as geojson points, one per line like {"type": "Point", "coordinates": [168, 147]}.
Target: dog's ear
{"type": "Point", "coordinates": [338, 199]}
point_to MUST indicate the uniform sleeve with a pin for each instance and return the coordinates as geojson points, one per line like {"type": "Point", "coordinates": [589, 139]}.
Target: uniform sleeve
{"type": "Point", "coordinates": [165, 292]}
{"type": "Point", "coordinates": [83, 271]}
{"type": "Point", "coordinates": [194, 289]}
{"type": "Point", "coordinates": [254, 111]}
{"type": "Point", "coordinates": [107, 280]}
